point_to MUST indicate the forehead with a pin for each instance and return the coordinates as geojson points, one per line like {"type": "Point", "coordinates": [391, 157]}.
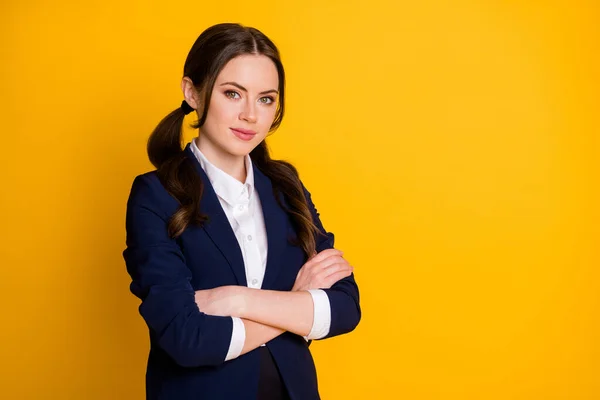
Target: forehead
{"type": "Point", "coordinates": [252, 71]}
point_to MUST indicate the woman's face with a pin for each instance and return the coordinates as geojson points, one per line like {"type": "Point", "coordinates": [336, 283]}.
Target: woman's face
{"type": "Point", "coordinates": [242, 108]}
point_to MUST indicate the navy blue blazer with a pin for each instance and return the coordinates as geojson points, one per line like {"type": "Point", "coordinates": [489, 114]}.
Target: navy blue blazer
{"type": "Point", "coordinates": [188, 347]}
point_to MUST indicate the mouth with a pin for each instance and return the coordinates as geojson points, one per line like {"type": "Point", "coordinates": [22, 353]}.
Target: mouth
{"type": "Point", "coordinates": [244, 134]}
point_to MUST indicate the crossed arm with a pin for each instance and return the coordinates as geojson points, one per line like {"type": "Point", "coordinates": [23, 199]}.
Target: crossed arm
{"type": "Point", "coordinates": [267, 313]}
{"type": "Point", "coordinates": [189, 326]}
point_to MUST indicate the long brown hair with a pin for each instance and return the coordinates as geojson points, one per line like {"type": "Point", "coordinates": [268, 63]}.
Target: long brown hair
{"type": "Point", "coordinates": [215, 47]}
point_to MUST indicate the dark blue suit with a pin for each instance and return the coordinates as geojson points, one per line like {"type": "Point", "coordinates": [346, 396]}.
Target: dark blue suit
{"type": "Point", "coordinates": [188, 347]}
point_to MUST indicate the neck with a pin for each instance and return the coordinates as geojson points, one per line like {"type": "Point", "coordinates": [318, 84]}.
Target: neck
{"type": "Point", "coordinates": [232, 165]}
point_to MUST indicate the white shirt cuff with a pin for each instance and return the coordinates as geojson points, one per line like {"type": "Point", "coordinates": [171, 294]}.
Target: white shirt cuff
{"type": "Point", "coordinates": [238, 338]}
{"type": "Point", "coordinates": [321, 315]}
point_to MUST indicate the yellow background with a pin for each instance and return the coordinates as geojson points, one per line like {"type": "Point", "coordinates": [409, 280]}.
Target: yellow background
{"type": "Point", "coordinates": [451, 146]}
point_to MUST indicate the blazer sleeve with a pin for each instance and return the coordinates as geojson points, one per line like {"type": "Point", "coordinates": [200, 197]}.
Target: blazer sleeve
{"type": "Point", "coordinates": [343, 295]}
{"type": "Point", "coordinates": [161, 279]}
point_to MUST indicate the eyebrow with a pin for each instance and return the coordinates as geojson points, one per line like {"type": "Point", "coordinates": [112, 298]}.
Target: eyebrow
{"type": "Point", "coordinates": [237, 85]}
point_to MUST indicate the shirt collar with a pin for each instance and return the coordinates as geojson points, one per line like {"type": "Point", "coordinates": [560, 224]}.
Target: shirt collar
{"type": "Point", "coordinates": [227, 187]}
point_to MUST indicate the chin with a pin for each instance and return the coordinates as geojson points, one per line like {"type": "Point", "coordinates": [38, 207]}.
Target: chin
{"type": "Point", "coordinates": [241, 149]}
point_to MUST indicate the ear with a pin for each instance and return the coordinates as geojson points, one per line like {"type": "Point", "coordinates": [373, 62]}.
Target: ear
{"type": "Point", "coordinates": [189, 92]}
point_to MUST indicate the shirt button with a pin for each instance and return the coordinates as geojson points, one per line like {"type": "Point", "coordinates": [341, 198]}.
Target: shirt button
{"type": "Point", "coordinates": [254, 281]}
{"type": "Point", "coordinates": [250, 238]}
{"type": "Point", "coordinates": [241, 208]}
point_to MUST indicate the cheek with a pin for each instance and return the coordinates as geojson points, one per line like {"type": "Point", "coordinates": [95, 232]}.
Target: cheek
{"type": "Point", "coordinates": [221, 112]}
{"type": "Point", "coordinates": [268, 115]}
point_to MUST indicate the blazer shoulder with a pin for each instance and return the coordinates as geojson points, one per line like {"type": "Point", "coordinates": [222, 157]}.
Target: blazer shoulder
{"type": "Point", "coordinates": [148, 189]}
{"type": "Point", "coordinates": [148, 178]}
{"type": "Point", "coordinates": [146, 184]}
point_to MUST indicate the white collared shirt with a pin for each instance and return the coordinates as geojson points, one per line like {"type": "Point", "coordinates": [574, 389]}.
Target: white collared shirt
{"type": "Point", "coordinates": [243, 209]}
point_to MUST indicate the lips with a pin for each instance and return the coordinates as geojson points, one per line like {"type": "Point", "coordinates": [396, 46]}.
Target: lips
{"type": "Point", "coordinates": [243, 134]}
{"type": "Point", "coordinates": [245, 131]}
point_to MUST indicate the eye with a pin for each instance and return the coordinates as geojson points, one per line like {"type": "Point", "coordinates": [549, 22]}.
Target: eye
{"type": "Point", "coordinates": [232, 94]}
{"type": "Point", "coordinates": [266, 100]}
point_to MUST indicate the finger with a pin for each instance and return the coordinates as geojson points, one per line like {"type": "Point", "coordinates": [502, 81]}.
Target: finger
{"type": "Point", "coordinates": [329, 261]}
{"type": "Point", "coordinates": [337, 276]}
{"type": "Point", "coordinates": [325, 254]}
{"type": "Point", "coordinates": [337, 267]}
{"type": "Point", "coordinates": [344, 270]}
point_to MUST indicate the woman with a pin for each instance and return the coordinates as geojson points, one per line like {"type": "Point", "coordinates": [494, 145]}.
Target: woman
{"type": "Point", "coordinates": [219, 238]}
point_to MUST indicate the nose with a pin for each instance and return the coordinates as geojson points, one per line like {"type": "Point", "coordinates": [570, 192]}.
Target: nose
{"type": "Point", "coordinates": [248, 113]}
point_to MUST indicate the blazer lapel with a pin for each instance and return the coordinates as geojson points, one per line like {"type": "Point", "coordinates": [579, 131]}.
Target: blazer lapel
{"type": "Point", "coordinates": [217, 227]}
{"type": "Point", "coordinates": [276, 225]}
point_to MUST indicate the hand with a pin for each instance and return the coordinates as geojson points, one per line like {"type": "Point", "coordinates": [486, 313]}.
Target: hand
{"type": "Point", "coordinates": [322, 271]}
{"type": "Point", "coordinates": [223, 301]}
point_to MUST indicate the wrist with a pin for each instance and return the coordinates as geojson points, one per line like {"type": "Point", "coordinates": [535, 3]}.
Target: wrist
{"type": "Point", "coordinates": [240, 296]}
